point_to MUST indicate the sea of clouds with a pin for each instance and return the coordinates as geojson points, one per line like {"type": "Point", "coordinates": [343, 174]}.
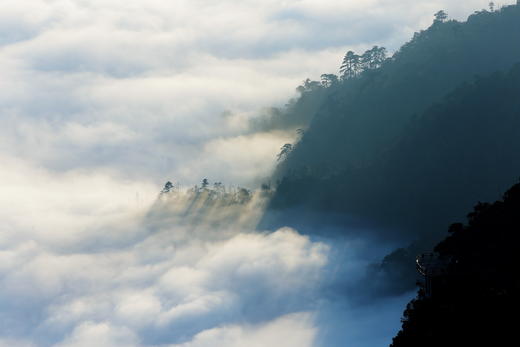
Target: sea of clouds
{"type": "Point", "coordinates": [101, 102]}
{"type": "Point", "coordinates": [129, 276]}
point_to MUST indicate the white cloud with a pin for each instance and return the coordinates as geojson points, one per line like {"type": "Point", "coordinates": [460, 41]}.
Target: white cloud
{"type": "Point", "coordinates": [139, 87]}
{"type": "Point", "coordinates": [156, 280]}
{"type": "Point", "coordinates": [120, 297]}
{"type": "Point", "coordinates": [54, 208]}
{"type": "Point", "coordinates": [100, 334]}
{"type": "Point", "coordinates": [104, 100]}
{"type": "Point", "coordinates": [294, 330]}
{"type": "Point", "coordinates": [17, 343]}
{"type": "Point", "coordinates": [90, 265]}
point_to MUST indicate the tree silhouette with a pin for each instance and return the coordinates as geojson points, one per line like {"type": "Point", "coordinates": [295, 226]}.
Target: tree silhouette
{"type": "Point", "coordinates": [373, 58]}
{"type": "Point", "coordinates": [441, 16]}
{"type": "Point", "coordinates": [167, 187]}
{"type": "Point", "coordinates": [351, 65]}
{"type": "Point", "coordinates": [329, 80]}
{"type": "Point", "coordinates": [309, 86]}
{"type": "Point", "coordinates": [284, 151]}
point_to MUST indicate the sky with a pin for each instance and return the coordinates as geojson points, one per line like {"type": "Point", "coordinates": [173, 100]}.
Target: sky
{"type": "Point", "coordinates": [101, 102]}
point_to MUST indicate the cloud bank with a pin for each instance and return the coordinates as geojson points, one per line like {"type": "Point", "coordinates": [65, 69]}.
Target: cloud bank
{"type": "Point", "coordinates": [143, 277]}
{"type": "Point", "coordinates": [142, 88]}
{"type": "Point", "coordinates": [144, 285]}
{"type": "Point", "coordinates": [104, 100]}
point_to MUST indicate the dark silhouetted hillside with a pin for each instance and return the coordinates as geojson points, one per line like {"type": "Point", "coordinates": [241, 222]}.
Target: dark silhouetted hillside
{"type": "Point", "coordinates": [475, 299]}
{"type": "Point", "coordinates": [361, 117]}
{"type": "Point", "coordinates": [417, 139]}
{"type": "Point", "coordinates": [403, 149]}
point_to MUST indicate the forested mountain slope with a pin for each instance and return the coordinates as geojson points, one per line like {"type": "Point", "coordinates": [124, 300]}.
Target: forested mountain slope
{"type": "Point", "coordinates": [417, 139]}
{"type": "Point", "coordinates": [473, 294]}
{"type": "Point", "coordinates": [460, 150]}
{"type": "Point", "coordinates": [361, 116]}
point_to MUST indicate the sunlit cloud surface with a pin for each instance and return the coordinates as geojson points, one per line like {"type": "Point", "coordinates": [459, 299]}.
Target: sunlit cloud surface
{"type": "Point", "coordinates": [101, 102]}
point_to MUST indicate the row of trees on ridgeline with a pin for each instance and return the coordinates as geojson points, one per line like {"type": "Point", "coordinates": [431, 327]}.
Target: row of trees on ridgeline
{"type": "Point", "coordinates": [216, 192]}
{"type": "Point", "coordinates": [353, 65]}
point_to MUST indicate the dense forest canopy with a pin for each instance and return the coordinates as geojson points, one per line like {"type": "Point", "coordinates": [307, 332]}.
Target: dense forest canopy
{"type": "Point", "coordinates": [380, 122]}
{"type": "Point", "coordinates": [362, 115]}
{"type": "Point", "coordinates": [401, 146]}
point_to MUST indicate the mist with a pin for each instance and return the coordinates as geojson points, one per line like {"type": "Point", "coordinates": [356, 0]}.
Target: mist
{"type": "Point", "coordinates": [184, 271]}
{"type": "Point", "coordinates": [103, 102]}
